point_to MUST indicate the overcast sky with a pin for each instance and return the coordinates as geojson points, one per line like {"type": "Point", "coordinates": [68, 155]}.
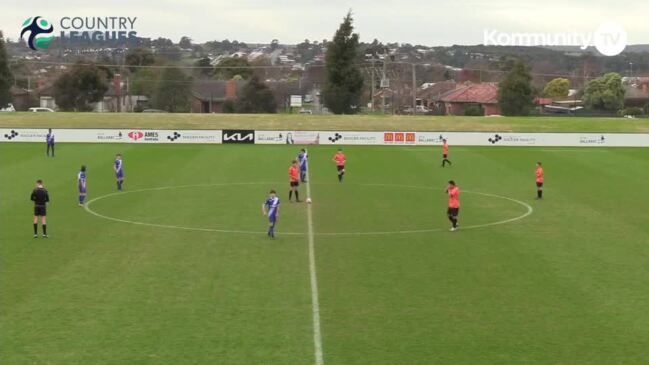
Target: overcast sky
{"type": "Point", "coordinates": [427, 22]}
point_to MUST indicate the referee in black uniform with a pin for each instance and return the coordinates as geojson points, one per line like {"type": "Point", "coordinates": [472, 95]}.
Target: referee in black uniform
{"type": "Point", "coordinates": [40, 197]}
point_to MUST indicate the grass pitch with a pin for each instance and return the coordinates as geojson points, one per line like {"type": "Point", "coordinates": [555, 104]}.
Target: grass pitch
{"type": "Point", "coordinates": [323, 122]}
{"type": "Point", "coordinates": [566, 284]}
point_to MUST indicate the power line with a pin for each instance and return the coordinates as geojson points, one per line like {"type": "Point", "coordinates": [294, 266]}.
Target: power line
{"type": "Point", "coordinates": [164, 66]}
{"type": "Point", "coordinates": [292, 67]}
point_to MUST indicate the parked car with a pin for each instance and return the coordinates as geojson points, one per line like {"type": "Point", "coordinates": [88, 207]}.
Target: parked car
{"type": "Point", "coordinates": [39, 110]}
{"type": "Point", "coordinates": [9, 108]}
{"type": "Point", "coordinates": [419, 109]}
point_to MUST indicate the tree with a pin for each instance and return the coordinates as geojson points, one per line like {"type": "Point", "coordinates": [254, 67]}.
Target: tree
{"type": "Point", "coordinates": [6, 78]}
{"type": "Point", "coordinates": [205, 69]}
{"type": "Point", "coordinates": [344, 81]}
{"type": "Point", "coordinates": [144, 82]}
{"type": "Point", "coordinates": [605, 93]}
{"type": "Point", "coordinates": [185, 42]}
{"type": "Point", "coordinates": [515, 95]}
{"type": "Point", "coordinates": [139, 57]}
{"type": "Point", "coordinates": [557, 88]}
{"type": "Point", "coordinates": [172, 91]}
{"type": "Point", "coordinates": [274, 44]}
{"type": "Point", "coordinates": [256, 97]}
{"type": "Point", "coordinates": [231, 67]}
{"type": "Point", "coordinates": [162, 42]}
{"type": "Point", "coordinates": [82, 85]}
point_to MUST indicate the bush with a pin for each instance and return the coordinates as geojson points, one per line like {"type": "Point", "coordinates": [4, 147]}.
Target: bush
{"type": "Point", "coordinates": [229, 106]}
{"type": "Point", "coordinates": [635, 111]}
{"type": "Point", "coordinates": [646, 109]}
{"type": "Point", "coordinates": [474, 110]}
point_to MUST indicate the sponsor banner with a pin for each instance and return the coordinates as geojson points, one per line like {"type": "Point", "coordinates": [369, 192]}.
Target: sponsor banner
{"type": "Point", "coordinates": [534, 139]}
{"type": "Point", "coordinates": [396, 138]}
{"type": "Point", "coordinates": [238, 136]}
{"type": "Point", "coordinates": [192, 136]}
{"type": "Point", "coordinates": [113, 135]}
{"type": "Point", "coordinates": [400, 138]}
{"type": "Point", "coordinates": [23, 135]}
{"type": "Point", "coordinates": [352, 138]}
{"type": "Point", "coordinates": [287, 137]}
{"type": "Point", "coordinates": [143, 136]}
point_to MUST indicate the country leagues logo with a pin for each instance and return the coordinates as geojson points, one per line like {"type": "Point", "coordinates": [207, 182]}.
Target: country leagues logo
{"type": "Point", "coordinates": [38, 28]}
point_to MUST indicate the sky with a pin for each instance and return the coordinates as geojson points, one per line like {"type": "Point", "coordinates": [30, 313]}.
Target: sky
{"type": "Point", "coordinates": [429, 22]}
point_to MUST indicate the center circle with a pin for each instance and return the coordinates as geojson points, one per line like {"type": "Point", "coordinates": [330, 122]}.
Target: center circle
{"type": "Point", "coordinates": [241, 211]}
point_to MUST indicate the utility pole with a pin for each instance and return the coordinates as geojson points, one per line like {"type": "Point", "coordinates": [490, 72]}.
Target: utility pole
{"type": "Point", "coordinates": [384, 81]}
{"type": "Point", "coordinates": [372, 82]}
{"type": "Point", "coordinates": [414, 88]}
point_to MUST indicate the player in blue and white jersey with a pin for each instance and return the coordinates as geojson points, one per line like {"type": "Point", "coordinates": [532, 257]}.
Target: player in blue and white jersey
{"type": "Point", "coordinates": [119, 171]}
{"type": "Point", "coordinates": [81, 182]}
{"type": "Point", "coordinates": [270, 208]}
{"type": "Point", "coordinates": [303, 158]}
{"type": "Point", "coordinates": [50, 142]}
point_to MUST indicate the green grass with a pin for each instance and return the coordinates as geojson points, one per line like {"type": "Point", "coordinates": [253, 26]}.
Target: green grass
{"type": "Point", "coordinates": [322, 122]}
{"type": "Point", "coordinates": [565, 285]}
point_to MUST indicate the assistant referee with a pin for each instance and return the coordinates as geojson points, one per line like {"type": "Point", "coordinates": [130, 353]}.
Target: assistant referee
{"type": "Point", "coordinates": [40, 197]}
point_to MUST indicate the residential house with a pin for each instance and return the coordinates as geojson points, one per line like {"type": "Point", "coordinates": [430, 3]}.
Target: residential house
{"type": "Point", "coordinates": [116, 98]}
{"type": "Point", "coordinates": [430, 93]}
{"type": "Point", "coordinates": [636, 93]}
{"type": "Point", "coordinates": [484, 95]}
{"type": "Point", "coordinates": [21, 98]}
{"type": "Point", "coordinates": [209, 96]}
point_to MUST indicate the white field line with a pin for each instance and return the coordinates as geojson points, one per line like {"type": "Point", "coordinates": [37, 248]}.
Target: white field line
{"type": "Point", "coordinates": [315, 303]}
{"type": "Point", "coordinates": [90, 202]}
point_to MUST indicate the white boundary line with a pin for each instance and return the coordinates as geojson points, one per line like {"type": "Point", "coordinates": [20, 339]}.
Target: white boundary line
{"type": "Point", "coordinates": [315, 303]}
{"type": "Point", "coordinates": [529, 211]}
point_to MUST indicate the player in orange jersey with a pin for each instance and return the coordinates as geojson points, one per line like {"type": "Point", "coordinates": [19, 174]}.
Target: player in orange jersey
{"type": "Point", "coordinates": [340, 159]}
{"type": "Point", "coordinates": [445, 153]}
{"type": "Point", "coordinates": [294, 181]}
{"type": "Point", "coordinates": [539, 180]}
{"type": "Point", "coordinates": [453, 204]}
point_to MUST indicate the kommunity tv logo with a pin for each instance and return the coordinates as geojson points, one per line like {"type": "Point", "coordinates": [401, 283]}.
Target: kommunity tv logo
{"type": "Point", "coordinates": [38, 29]}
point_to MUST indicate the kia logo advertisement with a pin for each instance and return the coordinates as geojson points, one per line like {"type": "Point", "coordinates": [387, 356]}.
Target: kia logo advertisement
{"type": "Point", "coordinates": [238, 136]}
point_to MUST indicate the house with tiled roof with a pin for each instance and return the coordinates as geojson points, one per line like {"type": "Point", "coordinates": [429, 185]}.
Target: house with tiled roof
{"type": "Point", "coordinates": [482, 95]}
{"type": "Point", "coordinates": [636, 93]}
{"type": "Point", "coordinates": [430, 93]}
{"type": "Point", "coordinates": [209, 96]}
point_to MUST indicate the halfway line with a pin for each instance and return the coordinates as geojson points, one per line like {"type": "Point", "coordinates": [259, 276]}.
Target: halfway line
{"type": "Point", "coordinates": [315, 304]}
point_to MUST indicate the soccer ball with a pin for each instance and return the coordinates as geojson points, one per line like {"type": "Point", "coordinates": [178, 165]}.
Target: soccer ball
{"type": "Point", "coordinates": [308, 200]}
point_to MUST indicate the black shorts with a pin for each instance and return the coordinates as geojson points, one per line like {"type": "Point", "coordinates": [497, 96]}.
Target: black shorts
{"type": "Point", "coordinates": [445, 155]}
{"type": "Point", "coordinates": [539, 184]}
{"type": "Point", "coordinates": [295, 184]}
{"type": "Point", "coordinates": [453, 212]}
{"type": "Point", "coordinates": [40, 211]}
{"type": "Point", "coordinates": [340, 168]}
